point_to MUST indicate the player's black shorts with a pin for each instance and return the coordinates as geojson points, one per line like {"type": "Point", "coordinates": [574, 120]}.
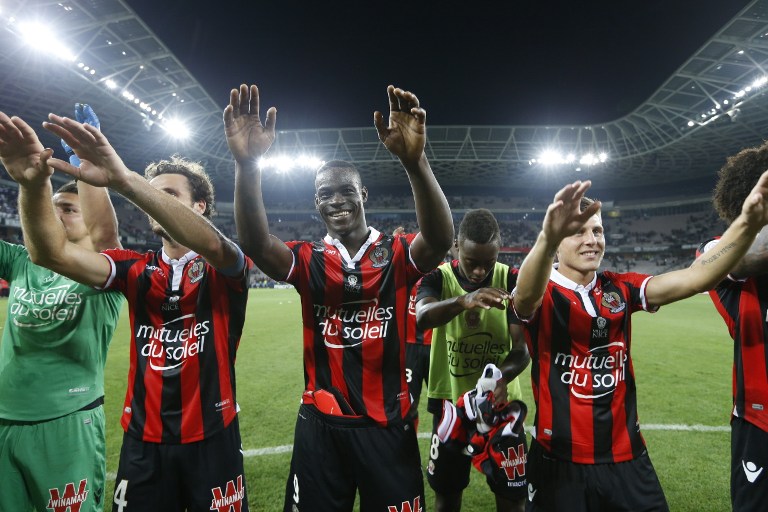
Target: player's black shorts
{"type": "Point", "coordinates": [749, 466]}
{"type": "Point", "coordinates": [335, 456]}
{"type": "Point", "coordinates": [416, 373]}
{"type": "Point", "coordinates": [448, 469]}
{"type": "Point", "coordinates": [196, 477]}
{"type": "Point", "coordinates": [556, 485]}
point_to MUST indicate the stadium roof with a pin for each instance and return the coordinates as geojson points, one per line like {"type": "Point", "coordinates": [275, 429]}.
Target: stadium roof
{"type": "Point", "coordinates": [101, 52]}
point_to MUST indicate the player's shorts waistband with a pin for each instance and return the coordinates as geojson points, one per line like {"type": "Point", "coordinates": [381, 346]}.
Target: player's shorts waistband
{"type": "Point", "coordinates": [337, 421]}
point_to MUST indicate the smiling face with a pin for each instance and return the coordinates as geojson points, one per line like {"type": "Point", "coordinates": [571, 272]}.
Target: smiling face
{"type": "Point", "coordinates": [580, 255]}
{"type": "Point", "coordinates": [339, 198]}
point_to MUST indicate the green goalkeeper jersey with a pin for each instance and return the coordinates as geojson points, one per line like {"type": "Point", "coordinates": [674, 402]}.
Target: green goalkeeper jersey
{"type": "Point", "coordinates": [55, 340]}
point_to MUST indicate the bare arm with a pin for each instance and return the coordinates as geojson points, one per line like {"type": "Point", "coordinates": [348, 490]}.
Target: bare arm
{"type": "Point", "coordinates": [711, 267]}
{"type": "Point", "coordinates": [101, 167]}
{"type": "Point", "coordinates": [431, 312]}
{"type": "Point", "coordinates": [25, 160]}
{"type": "Point", "coordinates": [99, 216]}
{"type": "Point", "coordinates": [405, 137]}
{"type": "Point", "coordinates": [563, 218]}
{"type": "Point", "coordinates": [248, 140]}
{"type": "Point", "coordinates": [47, 243]}
{"type": "Point", "coordinates": [755, 262]}
{"type": "Point", "coordinates": [513, 365]}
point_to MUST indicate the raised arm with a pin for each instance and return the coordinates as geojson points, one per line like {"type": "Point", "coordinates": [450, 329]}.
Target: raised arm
{"type": "Point", "coordinates": [405, 137]}
{"type": "Point", "coordinates": [95, 205]}
{"type": "Point", "coordinates": [102, 167]}
{"type": "Point", "coordinates": [23, 156]}
{"type": "Point", "coordinates": [755, 262]}
{"type": "Point", "coordinates": [711, 267]}
{"type": "Point", "coordinates": [248, 141]}
{"type": "Point", "coordinates": [563, 218]}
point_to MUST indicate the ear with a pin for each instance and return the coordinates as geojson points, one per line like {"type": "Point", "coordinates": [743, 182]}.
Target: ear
{"type": "Point", "coordinates": [317, 202]}
{"type": "Point", "coordinates": [364, 193]}
{"type": "Point", "coordinates": [200, 206]}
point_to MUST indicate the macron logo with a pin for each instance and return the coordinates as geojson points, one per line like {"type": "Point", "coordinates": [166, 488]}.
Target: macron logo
{"type": "Point", "coordinates": [531, 493]}
{"type": "Point", "coordinates": [750, 469]}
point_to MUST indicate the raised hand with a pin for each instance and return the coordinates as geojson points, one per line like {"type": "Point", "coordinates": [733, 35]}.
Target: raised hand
{"type": "Point", "coordinates": [21, 151]}
{"type": "Point", "coordinates": [83, 114]}
{"type": "Point", "coordinates": [247, 138]}
{"type": "Point", "coordinates": [564, 216]}
{"type": "Point", "coordinates": [755, 206]}
{"type": "Point", "coordinates": [485, 298]}
{"type": "Point", "coordinates": [406, 135]}
{"type": "Point", "coordinates": [100, 165]}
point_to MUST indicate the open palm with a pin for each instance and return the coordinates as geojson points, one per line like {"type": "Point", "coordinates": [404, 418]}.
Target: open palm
{"type": "Point", "coordinates": [247, 138]}
{"type": "Point", "coordinates": [20, 151]}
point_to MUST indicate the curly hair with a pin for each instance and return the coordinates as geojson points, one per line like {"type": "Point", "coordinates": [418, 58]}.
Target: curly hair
{"type": "Point", "coordinates": [479, 226]}
{"type": "Point", "coordinates": [199, 181]}
{"type": "Point", "coordinates": [736, 179]}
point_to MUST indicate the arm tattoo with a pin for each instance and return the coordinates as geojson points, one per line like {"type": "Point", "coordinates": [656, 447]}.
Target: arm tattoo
{"type": "Point", "coordinates": [717, 255]}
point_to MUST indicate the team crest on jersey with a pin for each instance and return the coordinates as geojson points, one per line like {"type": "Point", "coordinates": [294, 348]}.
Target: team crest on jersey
{"type": "Point", "coordinates": [612, 301]}
{"type": "Point", "coordinates": [231, 500]}
{"type": "Point", "coordinates": [379, 256]}
{"type": "Point", "coordinates": [601, 322]}
{"type": "Point", "coordinates": [472, 318]}
{"type": "Point", "coordinates": [352, 283]}
{"type": "Point", "coordinates": [196, 271]}
{"type": "Point", "coordinates": [71, 500]}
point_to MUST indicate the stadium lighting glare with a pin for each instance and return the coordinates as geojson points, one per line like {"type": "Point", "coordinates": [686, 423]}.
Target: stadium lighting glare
{"type": "Point", "coordinates": [284, 164]}
{"type": "Point", "coordinates": [176, 129]}
{"type": "Point", "coordinates": [42, 38]}
{"type": "Point", "coordinates": [760, 82]}
{"type": "Point", "coordinates": [552, 157]}
{"type": "Point", "coordinates": [691, 123]}
{"type": "Point", "coordinates": [111, 84]}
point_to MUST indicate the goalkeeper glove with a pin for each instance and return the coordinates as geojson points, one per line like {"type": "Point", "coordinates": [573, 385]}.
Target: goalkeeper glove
{"type": "Point", "coordinates": [83, 114]}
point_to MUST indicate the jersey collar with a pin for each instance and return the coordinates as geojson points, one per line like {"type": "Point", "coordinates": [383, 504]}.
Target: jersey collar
{"type": "Point", "coordinates": [373, 235]}
{"type": "Point", "coordinates": [563, 281]}
{"type": "Point", "coordinates": [182, 261]}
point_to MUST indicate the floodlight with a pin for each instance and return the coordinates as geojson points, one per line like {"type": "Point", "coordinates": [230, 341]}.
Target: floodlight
{"type": "Point", "coordinates": [111, 84]}
{"type": "Point", "coordinates": [176, 128]}
{"type": "Point", "coordinates": [285, 163]}
{"type": "Point", "coordinates": [42, 38]}
{"type": "Point", "coordinates": [691, 123]}
{"type": "Point", "coordinates": [550, 157]}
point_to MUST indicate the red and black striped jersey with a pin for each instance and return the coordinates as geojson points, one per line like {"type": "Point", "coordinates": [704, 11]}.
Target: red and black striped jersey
{"type": "Point", "coordinates": [743, 304]}
{"type": "Point", "coordinates": [354, 313]}
{"type": "Point", "coordinates": [413, 334]}
{"type": "Point", "coordinates": [186, 319]}
{"type": "Point", "coordinates": [581, 372]}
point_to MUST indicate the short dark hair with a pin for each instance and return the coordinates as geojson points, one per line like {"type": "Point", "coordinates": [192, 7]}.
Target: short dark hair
{"type": "Point", "coordinates": [479, 226]}
{"type": "Point", "coordinates": [199, 181]}
{"type": "Point", "coordinates": [69, 187]}
{"type": "Point", "coordinates": [340, 164]}
{"type": "Point", "coordinates": [736, 179]}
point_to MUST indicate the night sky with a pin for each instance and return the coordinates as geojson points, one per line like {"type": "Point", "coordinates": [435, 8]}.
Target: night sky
{"type": "Point", "coordinates": [326, 64]}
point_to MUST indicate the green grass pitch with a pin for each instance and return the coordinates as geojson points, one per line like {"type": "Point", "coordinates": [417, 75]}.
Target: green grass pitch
{"type": "Point", "coordinates": [682, 357]}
